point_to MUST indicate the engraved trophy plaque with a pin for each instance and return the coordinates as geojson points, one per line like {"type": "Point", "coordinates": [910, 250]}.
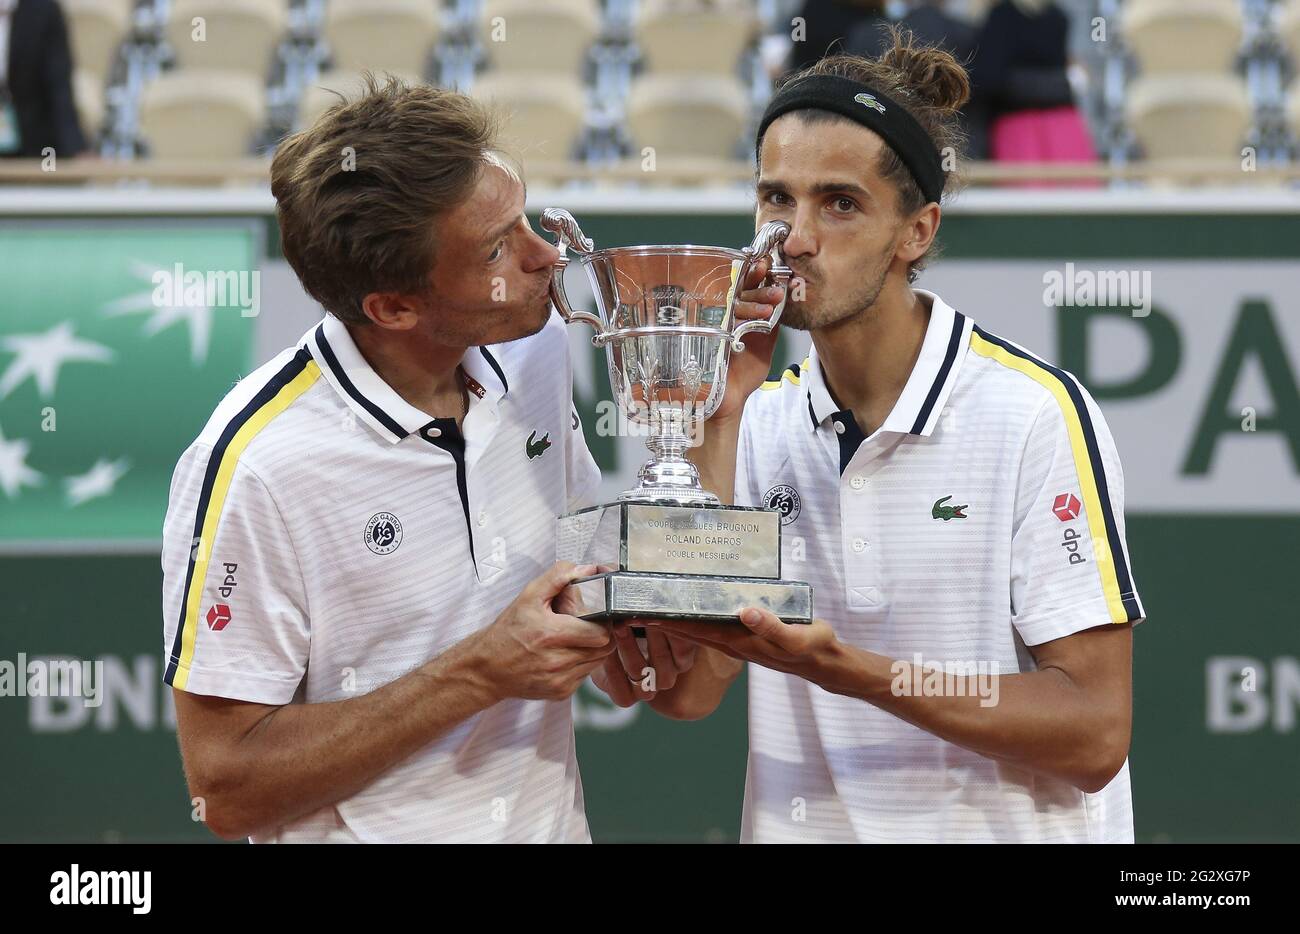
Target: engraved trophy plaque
{"type": "Point", "coordinates": [667, 325]}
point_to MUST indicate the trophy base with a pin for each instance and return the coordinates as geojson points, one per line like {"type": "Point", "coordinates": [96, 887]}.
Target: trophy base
{"type": "Point", "coordinates": [617, 595]}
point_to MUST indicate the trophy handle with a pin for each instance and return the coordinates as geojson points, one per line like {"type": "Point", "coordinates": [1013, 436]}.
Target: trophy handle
{"type": "Point", "coordinates": [568, 235]}
{"type": "Point", "coordinates": [769, 237]}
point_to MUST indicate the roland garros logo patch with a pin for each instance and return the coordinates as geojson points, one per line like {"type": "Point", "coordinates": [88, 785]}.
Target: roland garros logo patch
{"type": "Point", "coordinates": [785, 500]}
{"type": "Point", "coordinates": [383, 533]}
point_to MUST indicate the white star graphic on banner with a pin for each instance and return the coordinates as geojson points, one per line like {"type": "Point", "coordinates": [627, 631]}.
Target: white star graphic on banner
{"type": "Point", "coordinates": [97, 481]}
{"type": "Point", "coordinates": [14, 472]}
{"type": "Point", "coordinates": [41, 355]}
{"type": "Point", "coordinates": [197, 316]}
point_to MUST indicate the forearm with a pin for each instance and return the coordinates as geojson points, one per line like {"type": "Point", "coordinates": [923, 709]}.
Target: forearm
{"type": "Point", "coordinates": [715, 456]}
{"type": "Point", "coordinates": [1041, 720]}
{"type": "Point", "coordinates": [698, 691]}
{"type": "Point", "coordinates": [302, 757]}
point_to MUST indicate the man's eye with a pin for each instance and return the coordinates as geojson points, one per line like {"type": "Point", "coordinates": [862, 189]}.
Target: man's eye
{"type": "Point", "coordinates": [496, 254]}
{"type": "Point", "coordinates": [844, 205]}
{"type": "Point", "coordinates": [778, 197]}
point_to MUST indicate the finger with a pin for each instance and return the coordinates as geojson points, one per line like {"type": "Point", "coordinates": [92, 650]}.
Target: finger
{"type": "Point", "coordinates": [766, 294]}
{"type": "Point", "coordinates": [562, 573]}
{"type": "Point", "coordinates": [661, 660]}
{"type": "Point", "coordinates": [583, 634]}
{"type": "Point", "coordinates": [568, 602]}
{"type": "Point", "coordinates": [634, 663]}
{"type": "Point", "coordinates": [733, 640]}
{"type": "Point", "coordinates": [766, 625]}
{"type": "Point", "coordinates": [609, 677]}
{"type": "Point", "coordinates": [681, 652]}
{"type": "Point", "coordinates": [721, 632]}
{"type": "Point", "coordinates": [587, 668]}
{"type": "Point", "coordinates": [757, 272]}
{"type": "Point", "coordinates": [729, 640]}
{"type": "Point", "coordinates": [684, 652]}
{"type": "Point", "coordinates": [597, 653]}
{"type": "Point", "coordinates": [755, 306]}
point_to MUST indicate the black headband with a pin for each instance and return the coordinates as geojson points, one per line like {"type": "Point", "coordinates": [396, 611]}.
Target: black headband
{"type": "Point", "coordinates": [873, 110]}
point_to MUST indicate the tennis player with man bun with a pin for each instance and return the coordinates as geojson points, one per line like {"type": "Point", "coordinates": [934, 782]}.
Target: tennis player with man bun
{"type": "Point", "coordinates": [955, 501]}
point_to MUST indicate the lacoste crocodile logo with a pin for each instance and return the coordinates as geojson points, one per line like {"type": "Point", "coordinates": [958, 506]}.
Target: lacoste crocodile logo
{"type": "Point", "coordinates": [870, 101]}
{"type": "Point", "coordinates": [940, 511]}
{"type": "Point", "coordinates": [537, 447]}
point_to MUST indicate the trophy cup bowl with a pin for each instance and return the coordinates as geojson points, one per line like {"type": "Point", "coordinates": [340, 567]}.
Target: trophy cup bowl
{"type": "Point", "coordinates": [665, 316]}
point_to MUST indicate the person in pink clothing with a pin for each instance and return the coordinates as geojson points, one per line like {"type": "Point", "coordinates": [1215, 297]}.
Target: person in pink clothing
{"type": "Point", "coordinates": [1019, 70]}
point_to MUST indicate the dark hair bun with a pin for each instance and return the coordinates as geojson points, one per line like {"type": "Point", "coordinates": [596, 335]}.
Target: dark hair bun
{"type": "Point", "coordinates": [930, 73]}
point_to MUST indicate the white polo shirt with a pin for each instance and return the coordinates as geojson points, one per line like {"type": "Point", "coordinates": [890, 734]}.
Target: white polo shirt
{"type": "Point", "coordinates": [983, 516]}
{"type": "Point", "coordinates": [324, 537]}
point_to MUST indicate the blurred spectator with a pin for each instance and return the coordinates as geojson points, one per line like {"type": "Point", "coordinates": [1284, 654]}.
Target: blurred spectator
{"type": "Point", "coordinates": [930, 24]}
{"type": "Point", "coordinates": [36, 103]}
{"type": "Point", "coordinates": [830, 23]}
{"type": "Point", "coordinates": [927, 21]}
{"type": "Point", "coordinates": [1019, 74]}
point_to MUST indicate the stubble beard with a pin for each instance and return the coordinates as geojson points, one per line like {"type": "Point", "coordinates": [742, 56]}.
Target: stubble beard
{"type": "Point", "coordinates": [823, 311]}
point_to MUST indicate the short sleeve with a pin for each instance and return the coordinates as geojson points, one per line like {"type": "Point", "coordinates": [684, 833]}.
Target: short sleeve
{"type": "Point", "coordinates": [235, 620]}
{"type": "Point", "coordinates": [1069, 560]}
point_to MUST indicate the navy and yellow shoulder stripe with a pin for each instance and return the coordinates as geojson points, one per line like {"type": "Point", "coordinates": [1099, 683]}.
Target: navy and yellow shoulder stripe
{"type": "Point", "coordinates": [290, 382]}
{"type": "Point", "coordinates": [1116, 580]}
{"type": "Point", "coordinates": [790, 374]}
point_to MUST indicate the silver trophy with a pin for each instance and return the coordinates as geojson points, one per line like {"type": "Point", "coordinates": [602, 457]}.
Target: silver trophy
{"type": "Point", "coordinates": [666, 322]}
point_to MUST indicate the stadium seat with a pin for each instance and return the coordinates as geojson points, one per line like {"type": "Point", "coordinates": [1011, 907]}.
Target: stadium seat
{"type": "Point", "coordinates": [1189, 115]}
{"type": "Point", "coordinates": [88, 95]}
{"type": "Point", "coordinates": [1293, 111]}
{"type": "Point", "coordinates": [323, 93]}
{"type": "Point", "coordinates": [1183, 35]}
{"type": "Point", "coordinates": [1288, 27]}
{"type": "Point", "coordinates": [193, 113]}
{"type": "Point", "coordinates": [238, 35]}
{"type": "Point", "coordinates": [544, 119]}
{"type": "Point", "coordinates": [551, 36]}
{"type": "Point", "coordinates": [96, 28]}
{"type": "Point", "coordinates": [695, 36]}
{"type": "Point", "coordinates": [382, 35]}
{"type": "Point", "coordinates": [687, 115]}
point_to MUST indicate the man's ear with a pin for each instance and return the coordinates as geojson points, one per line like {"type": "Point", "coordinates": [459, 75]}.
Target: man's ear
{"type": "Point", "coordinates": [919, 233]}
{"type": "Point", "coordinates": [391, 310]}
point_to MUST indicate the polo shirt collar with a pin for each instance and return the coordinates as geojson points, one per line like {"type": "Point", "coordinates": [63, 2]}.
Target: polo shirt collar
{"type": "Point", "coordinates": [373, 400]}
{"type": "Point", "coordinates": [917, 410]}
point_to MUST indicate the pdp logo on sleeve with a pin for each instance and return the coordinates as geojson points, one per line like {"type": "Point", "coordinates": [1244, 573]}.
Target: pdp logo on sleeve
{"type": "Point", "coordinates": [1066, 507]}
{"type": "Point", "coordinates": [383, 533]}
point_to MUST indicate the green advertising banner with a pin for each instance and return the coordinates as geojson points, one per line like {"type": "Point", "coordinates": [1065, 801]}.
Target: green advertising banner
{"type": "Point", "coordinates": [114, 344]}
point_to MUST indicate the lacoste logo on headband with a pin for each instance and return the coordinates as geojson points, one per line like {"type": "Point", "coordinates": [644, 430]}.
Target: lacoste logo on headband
{"type": "Point", "coordinates": [870, 101]}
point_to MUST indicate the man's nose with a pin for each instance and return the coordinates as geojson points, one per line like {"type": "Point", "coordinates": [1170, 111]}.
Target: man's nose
{"type": "Point", "coordinates": [801, 241]}
{"type": "Point", "coordinates": [542, 254]}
